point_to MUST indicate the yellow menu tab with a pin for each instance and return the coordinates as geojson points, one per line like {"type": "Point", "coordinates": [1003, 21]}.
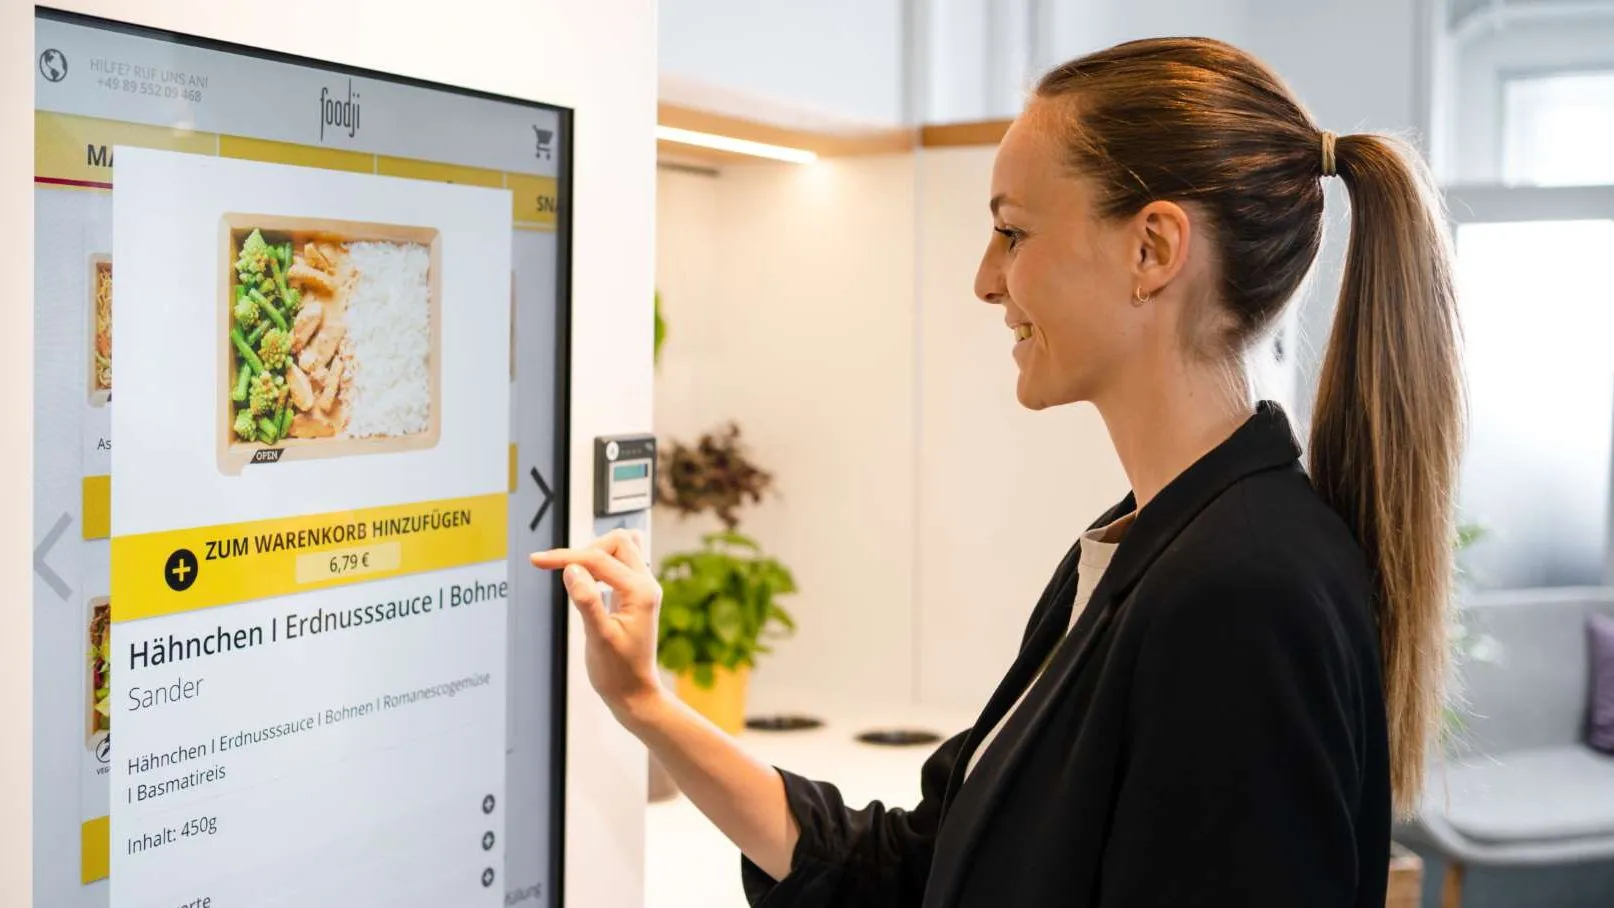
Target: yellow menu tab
{"type": "Point", "coordinates": [77, 151]}
{"type": "Point", "coordinates": [183, 570]}
{"type": "Point", "coordinates": [295, 155]}
{"type": "Point", "coordinates": [439, 173]}
{"type": "Point", "coordinates": [537, 199]}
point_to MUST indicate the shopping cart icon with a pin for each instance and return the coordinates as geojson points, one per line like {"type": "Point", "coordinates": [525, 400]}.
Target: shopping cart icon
{"type": "Point", "coordinates": [544, 136]}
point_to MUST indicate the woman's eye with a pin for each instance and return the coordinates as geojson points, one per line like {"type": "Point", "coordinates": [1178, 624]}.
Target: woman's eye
{"type": "Point", "coordinates": [1010, 234]}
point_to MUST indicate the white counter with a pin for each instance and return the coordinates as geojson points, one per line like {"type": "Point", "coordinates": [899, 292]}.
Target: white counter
{"type": "Point", "coordinates": [689, 864]}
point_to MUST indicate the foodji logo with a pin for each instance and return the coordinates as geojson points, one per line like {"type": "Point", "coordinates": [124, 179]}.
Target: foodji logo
{"type": "Point", "coordinates": [336, 111]}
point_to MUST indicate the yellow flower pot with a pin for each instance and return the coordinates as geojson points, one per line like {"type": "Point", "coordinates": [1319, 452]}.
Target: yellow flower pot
{"type": "Point", "coordinates": [724, 701]}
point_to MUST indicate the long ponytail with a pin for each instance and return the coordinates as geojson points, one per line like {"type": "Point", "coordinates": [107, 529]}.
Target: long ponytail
{"type": "Point", "coordinates": [1387, 428]}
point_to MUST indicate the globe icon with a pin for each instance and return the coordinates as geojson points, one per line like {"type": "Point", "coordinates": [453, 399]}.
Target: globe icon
{"type": "Point", "coordinates": [53, 65]}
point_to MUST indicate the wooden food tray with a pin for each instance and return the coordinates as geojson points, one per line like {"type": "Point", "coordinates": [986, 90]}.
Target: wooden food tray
{"type": "Point", "coordinates": [99, 397]}
{"type": "Point", "coordinates": [235, 455]}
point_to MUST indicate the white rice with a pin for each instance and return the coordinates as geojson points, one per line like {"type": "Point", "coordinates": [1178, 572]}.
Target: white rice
{"type": "Point", "coordinates": [389, 322]}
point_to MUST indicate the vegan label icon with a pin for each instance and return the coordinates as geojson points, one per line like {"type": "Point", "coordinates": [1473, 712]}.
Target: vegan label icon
{"type": "Point", "coordinates": [179, 572]}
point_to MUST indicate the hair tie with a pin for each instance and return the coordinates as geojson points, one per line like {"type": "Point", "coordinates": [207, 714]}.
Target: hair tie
{"type": "Point", "coordinates": [1328, 154]}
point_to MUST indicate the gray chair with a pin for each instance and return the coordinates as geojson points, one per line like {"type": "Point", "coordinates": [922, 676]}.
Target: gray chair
{"type": "Point", "coordinates": [1517, 785]}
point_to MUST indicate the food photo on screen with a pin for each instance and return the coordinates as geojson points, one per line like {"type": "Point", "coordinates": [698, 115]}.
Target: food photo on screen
{"type": "Point", "coordinates": [100, 329]}
{"type": "Point", "coordinates": [98, 668]}
{"type": "Point", "coordinates": [332, 335]}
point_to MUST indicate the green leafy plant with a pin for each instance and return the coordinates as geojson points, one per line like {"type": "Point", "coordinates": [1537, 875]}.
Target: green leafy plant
{"type": "Point", "coordinates": [719, 604]}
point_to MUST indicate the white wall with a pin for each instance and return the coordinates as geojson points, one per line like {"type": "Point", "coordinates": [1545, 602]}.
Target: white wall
{"type": "Point", "coordinates": [598, 57]}
{"type": "Point", "coordinates": [1081, 26]}
{"type": "Point", "coordinates": [788, 293]}
{"type": "Point", "coordinates": [839, 58]}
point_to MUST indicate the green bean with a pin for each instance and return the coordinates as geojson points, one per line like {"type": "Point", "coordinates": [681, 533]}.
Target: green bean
{"type": "Point", "coordinates": [285, 421]}
{"type": "Point", "coordinates": [245, 349]}
{"type": "Point", "coordinates": [280, 279]}
{"type": "Point", "coordinates": [268, 432]}
{"type": "Point", "coordinates": [257, 334]}
{"type": "Point", "coordinates": [242, 383]}
{"type": "Point", "coordinates": [275, 316]}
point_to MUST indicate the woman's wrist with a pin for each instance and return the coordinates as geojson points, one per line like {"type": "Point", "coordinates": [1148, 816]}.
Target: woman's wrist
{"type": "Point", "coordinates": [643, 712]}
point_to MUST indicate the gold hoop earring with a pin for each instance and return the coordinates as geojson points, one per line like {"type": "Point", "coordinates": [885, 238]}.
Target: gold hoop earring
{"type": "Point", "coordinates": [1139, 297]}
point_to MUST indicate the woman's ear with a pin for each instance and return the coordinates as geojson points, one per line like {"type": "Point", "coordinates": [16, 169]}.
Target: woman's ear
{"type": "Point", "coordinates": [1164, 233]}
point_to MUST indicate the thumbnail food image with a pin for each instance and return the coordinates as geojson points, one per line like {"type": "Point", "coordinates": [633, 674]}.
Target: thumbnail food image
{"type": "Point", "coordinates": [100, 329]}
{"type": "Point", "coordinates": [99, 665]}
{"type": "Point", "coordinates": [331, 336]}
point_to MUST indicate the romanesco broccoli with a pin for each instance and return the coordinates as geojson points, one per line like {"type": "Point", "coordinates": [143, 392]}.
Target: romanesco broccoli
{"type": "Point", "coordinates": [245, 426]}
{"type": "Point", "coordinates": [268, 392]}
{"type": "Point", "coordinates": [254, 257]}
{"type": "Point", "coordinates": [274, 349]}
{"type": "Point", "coordinates": [246, 311]}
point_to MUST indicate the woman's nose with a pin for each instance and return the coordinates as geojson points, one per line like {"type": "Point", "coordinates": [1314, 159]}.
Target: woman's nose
{"type": "Point", "coordinates": [989, 279]}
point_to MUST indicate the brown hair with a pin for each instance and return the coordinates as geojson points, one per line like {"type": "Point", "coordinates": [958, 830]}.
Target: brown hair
{"type": "Point", "coordinates": [1202, 123]}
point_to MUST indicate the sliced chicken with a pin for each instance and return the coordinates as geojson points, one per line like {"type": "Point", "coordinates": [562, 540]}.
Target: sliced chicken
{"type": "Point", "coordinates": [310, 425]}
{"type": "Point", "coordinates": [302, 391]}
{"type": "Point", "coordinates": [319, 351]}
{"type": "Point", "coordinates": [307, 322]}
{"type": "Point", "coordinates": [300, 273]}
{"type": "Point", "coordinates": [316, 259]}
{"type": "Point", "coordinates": [333, 382]}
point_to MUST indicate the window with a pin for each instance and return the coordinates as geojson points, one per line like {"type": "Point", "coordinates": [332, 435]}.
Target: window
{"type": "Point", "coordinates": [1539, 360]}
{"type": "Point", "coordinates": [1558, 130]}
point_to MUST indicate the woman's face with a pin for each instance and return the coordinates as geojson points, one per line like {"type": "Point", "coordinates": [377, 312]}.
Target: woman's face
{"type": "Point", "coordinates": [1065, 279]}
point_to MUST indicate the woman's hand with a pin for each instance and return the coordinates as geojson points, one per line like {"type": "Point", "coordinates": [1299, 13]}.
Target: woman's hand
{"type": "Point", "coordinates": [744, 796]}
{"type": "Point", "coordinates": [620, 652]}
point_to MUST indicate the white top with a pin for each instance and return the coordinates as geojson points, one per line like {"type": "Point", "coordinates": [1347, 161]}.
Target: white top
{"type": "Point", "coordinates": [1097, 548]}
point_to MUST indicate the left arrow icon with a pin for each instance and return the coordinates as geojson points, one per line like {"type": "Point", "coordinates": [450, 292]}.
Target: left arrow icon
{"type": "Point", "coordinates": [51, 578]}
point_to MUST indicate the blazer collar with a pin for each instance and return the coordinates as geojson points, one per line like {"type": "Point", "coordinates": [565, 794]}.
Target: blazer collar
{"type": "Point", "coordinates": [1264, 442]}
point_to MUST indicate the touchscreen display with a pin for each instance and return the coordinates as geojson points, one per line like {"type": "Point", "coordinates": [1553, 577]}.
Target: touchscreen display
{"type": "Point", "coordinates": [288, 649]}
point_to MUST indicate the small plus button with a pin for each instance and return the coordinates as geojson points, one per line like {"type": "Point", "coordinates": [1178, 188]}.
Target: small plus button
{"type": "Point", "coordinates": [180, 570]}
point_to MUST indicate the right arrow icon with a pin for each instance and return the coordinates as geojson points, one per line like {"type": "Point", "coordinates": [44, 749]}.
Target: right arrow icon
{"type": "Point", "coordinates": [543, 508]}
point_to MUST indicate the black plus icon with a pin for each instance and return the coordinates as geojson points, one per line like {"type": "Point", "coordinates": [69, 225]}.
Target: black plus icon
{"type": "Point", "coordinates": [179, 572]}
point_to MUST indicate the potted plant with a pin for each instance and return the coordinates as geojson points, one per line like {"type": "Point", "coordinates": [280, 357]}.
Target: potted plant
{"type": "Point", "coordinates": [720, 602]}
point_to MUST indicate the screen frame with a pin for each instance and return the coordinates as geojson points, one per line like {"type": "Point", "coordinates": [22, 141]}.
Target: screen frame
{"type": "Point", "coordinates": [559, 506]}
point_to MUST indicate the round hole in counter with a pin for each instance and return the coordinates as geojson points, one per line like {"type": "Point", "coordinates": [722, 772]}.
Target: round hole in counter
{"type": "Point", "coordinates": [898, 737]}
{"type": "Point", "coordinates": [783, 723]}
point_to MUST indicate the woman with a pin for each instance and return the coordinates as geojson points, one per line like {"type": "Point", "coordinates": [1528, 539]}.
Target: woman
{"type": "Point", "coordinates": [1229, 683]}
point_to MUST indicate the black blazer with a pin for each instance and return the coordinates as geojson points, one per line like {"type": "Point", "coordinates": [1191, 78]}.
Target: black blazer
{"type": "Point", "coordinates": [1212, 731]}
